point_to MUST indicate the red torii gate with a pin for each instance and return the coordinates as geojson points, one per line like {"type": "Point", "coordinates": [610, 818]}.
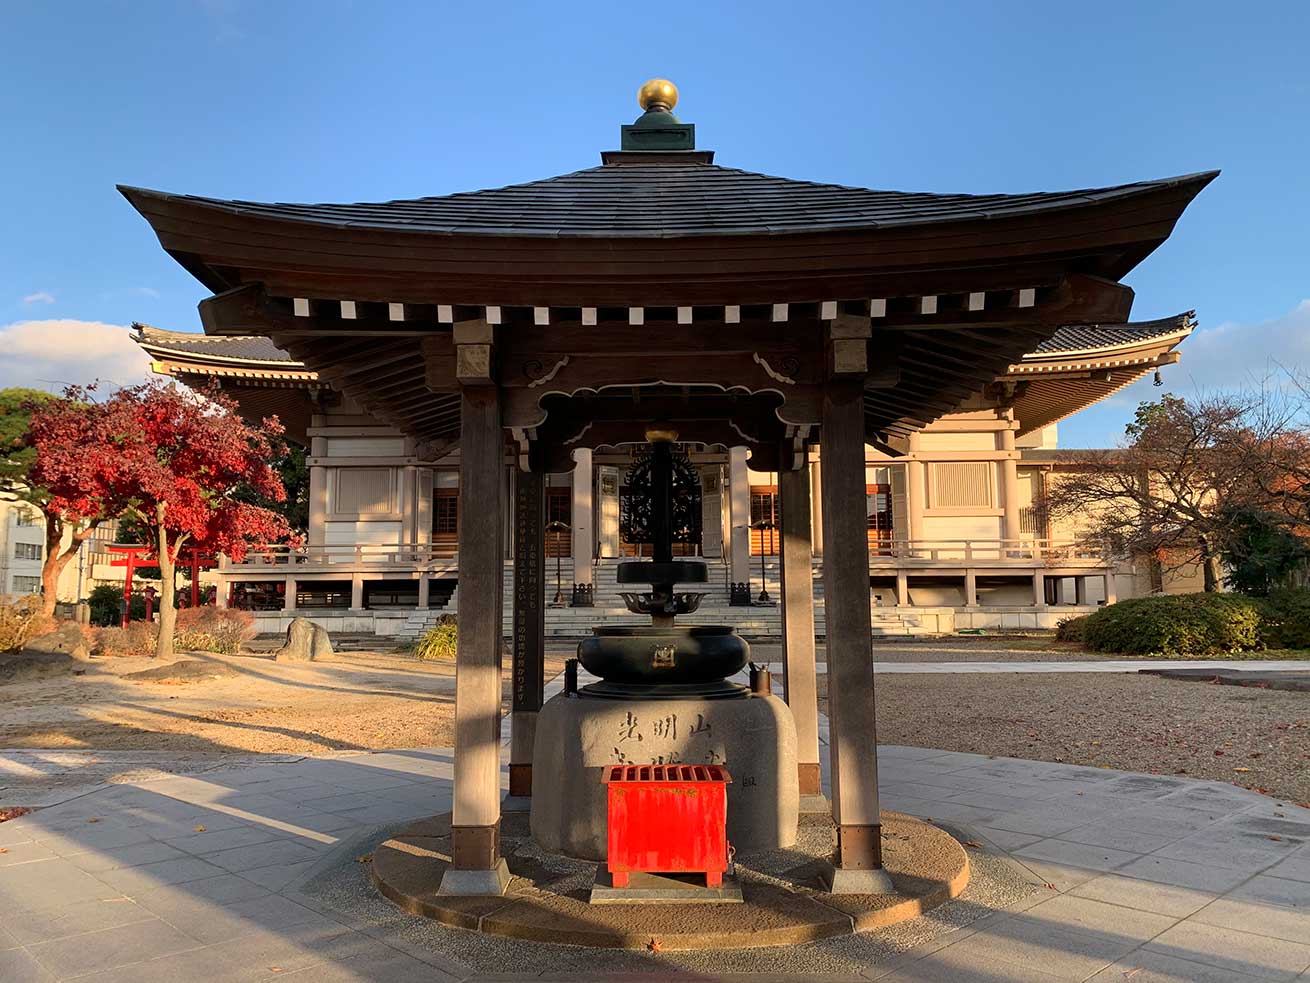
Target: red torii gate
{"type": "Point", "coordinates": [192, 558]}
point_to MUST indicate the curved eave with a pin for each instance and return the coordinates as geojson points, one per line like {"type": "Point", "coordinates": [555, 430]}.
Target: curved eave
{"type": "Point", "coordinates": [1101, 234]}
{"type": "Point", "coordinates": [189, 362]}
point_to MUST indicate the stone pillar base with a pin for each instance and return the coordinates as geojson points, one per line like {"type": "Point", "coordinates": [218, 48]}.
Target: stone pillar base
{"type": "Point", "coordinates": [520, 780]}
{"type": "Point", "coordinates": [844, 880]}
{"type": "Point", "coordinates": [487, 883]}
{"type": "Point", "coordinates": [810, 777]}
{"type": "Point", "coordinates": [815, 805]}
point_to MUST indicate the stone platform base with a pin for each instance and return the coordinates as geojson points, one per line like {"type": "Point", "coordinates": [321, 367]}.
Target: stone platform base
{"type": "Point", "coordinates": [644, 888]}
{"type": "Point", "coordinates": [783, 901]}
{"type": "Point", "coordinates": [755, 738]}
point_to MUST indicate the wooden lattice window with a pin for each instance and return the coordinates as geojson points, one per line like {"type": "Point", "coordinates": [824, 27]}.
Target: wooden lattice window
{"type": "Point", "coordinates": [963, 485]}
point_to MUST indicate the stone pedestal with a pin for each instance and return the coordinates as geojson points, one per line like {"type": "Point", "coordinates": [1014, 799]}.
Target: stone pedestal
{"type": "Point", "coordinates": [577, 737]}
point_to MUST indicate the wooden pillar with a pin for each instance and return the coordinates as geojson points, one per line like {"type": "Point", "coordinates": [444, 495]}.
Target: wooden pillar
{"type": "Point", "coordinates": [318, 482]}
{"type": "Point", "coordinates": [357, 592]}
{"type": "Point", "coordinates": [816, 508]}
{"type": "Point", "coordinates": [916, 492]}
{"type": "Point", "coordinates": [424, 590]}
{"type": "Point", "coordinates": [1011, 527]}
{"type": "Point", "coordinates": [739, 495]}
{"type": "Point", "coordinates": [477, 867]}
{"type": "Point", "coordinates": [289, 594]}
{"type": "Point", "coordinates": [902, 589]}
{"type": "Point", "coordinates": [1080, 591]}
{"type": "Point", "coordinates": [798, 626]}
{"type": "Point", "coordinates": [970, 589]}
{"type": "Point", "coordinates": [529, 640]}
{"type": "Point", "coordinates": [853, 745]}
{"type": "Point", "coordinates": [582, 516]}
{"type": "Point", "coordinates": [1039, 589]}
{"type": "Point", "coordinates": [1111, 589]}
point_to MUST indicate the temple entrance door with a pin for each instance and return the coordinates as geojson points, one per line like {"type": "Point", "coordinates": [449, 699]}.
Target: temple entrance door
{"type": "Point", "coordinates": [559, 508]}
{"type": "Point", "coordinates": [764, 508]}
{"type": "Point", "coordinates": [879, 511]}
{"type": "Point", "coordinates": [445, 521]}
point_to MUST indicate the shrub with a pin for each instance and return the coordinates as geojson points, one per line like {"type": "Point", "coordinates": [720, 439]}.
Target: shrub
{"type": "Point", "coordinates": [20, 621]}
{"type": "Point", "coordinates": [1176, 625]}
{"type": "Point", "coordinates": [211, 629]}
{"type": "Point", "coordinates": [1072, 629]}
{"type": "Point", "coordinates": [439, 641]}
{"type": "Point", "coordinates": [1285, 622]}
{"type": "Point", "coordinates": [137, 639]}
{"type": "Point", "coordinates": [106, 604]}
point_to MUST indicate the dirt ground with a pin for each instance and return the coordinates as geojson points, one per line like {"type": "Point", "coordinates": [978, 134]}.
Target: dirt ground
{"type": "Point", "coordinates": [355, 701]}
{"type": "Point", "coordinates": [1254, 738]}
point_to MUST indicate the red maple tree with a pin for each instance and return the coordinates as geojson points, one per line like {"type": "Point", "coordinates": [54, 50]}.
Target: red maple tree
{"type": "Point", "coordinates": [173, 460]}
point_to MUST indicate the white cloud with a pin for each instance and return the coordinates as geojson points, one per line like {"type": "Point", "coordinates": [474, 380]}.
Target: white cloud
{"type": "Point", "coordinates": [1225, 358]}
{"type": "Point", "coordinates": [40, 297]}
{"type": "Point", "coordinates": [150, 292]}
{"type": "Point", "coordinates": [1238, 356]}
{"type": "Point", "coordinates": [53, 353]}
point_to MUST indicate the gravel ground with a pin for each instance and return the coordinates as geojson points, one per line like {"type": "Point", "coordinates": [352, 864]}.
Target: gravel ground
{"type": "Point", "coordinates": [965, 648]}
{"type": "Point", "coordinates": [355, 701]}
{"type": "Point", "coordinates": [1257, 739]}
{"type": "Point", "coordinates": [346, 893]}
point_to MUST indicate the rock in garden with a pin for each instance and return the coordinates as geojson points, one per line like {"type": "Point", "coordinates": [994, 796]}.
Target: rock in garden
{"type": "Point", "coordinates": [18, 667]}
{"type": "Point", "coordinates": [67, 639]}
{"type": "Point", "coordinates": [182, 671]}
{"type": "Point", "coordinates": [305, 642]}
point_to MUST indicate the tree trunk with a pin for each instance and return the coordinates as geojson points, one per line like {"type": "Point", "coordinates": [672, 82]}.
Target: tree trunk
{"type": "Point", "coordinates": [1213, 573]}
{"type": "Point", "coordinates": [51, 565]}
{"type": "Point", "coordinates": [167, 596]}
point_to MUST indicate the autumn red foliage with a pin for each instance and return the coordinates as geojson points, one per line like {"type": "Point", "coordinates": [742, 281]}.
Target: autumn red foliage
{"type": "Point", "coordinates": [169, 458]}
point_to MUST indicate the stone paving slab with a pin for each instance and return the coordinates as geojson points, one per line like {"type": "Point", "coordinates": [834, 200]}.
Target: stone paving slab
{"type": "Point", "coordinates": [1295, 667]}
{"type": "Point", "coordinates": [1167, 879]}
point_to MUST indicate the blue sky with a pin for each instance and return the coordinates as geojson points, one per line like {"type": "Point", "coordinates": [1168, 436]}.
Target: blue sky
{"type": "Point", "coordinates": [338, 101]}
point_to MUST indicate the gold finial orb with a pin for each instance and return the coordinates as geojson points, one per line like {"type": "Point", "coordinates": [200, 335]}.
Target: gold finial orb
{"type": "Point", "coordinates": [658, 91]}
{"type": "Point", "coordinates": [661, 433]}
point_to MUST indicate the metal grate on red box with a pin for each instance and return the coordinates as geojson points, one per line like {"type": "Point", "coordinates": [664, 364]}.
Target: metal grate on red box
{"type": "Point", "coordinates": [666, 773]}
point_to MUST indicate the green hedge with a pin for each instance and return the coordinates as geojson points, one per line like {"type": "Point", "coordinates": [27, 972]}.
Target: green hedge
{"type": "Point", "coordinates": [1196, 625]}
{"type": "Point", "coordinates": [1286, 619]}
{"type": "Point", "coordinates": [1176, 625]}
{"type": "Point", "coordinates": [1072, 629]}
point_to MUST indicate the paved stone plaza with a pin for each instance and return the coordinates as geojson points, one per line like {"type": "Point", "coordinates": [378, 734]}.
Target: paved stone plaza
{"type": "Point", "coordinates": [217, 877]}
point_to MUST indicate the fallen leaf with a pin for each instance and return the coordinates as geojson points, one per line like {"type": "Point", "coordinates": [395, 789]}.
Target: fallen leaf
{"type": "Point", "coordinates": [1241, 769]}
{"type": "Point", "coordinates": [93, 820]}
{"type": "Point", "coordinates": [1276, 839]}
{"type": "Point", "coordinates": [974, 843]}
{"type": "Point", "coordinates": [363, 858]}
{"type": "Point", "coordinates": [653, 945]}
{"type": "Point", "coordinates": [1050, 885]}
{"type": "Point", "coordinates": [1132, 972]}
{"type": "Point", "coordinates": [199, 829]}
{"type": "Point", "coordinates": [1218, 753]}
{"type": "Point", "coordinates": [4, 849]}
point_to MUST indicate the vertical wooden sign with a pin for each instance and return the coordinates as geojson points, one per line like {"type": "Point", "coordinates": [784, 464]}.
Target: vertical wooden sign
{"type": "Point", "coordinates": [529, 590]}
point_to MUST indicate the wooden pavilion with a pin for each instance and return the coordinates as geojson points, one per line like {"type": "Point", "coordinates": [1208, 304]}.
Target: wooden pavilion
{"type": "Point", "coordinates": [739, 308]}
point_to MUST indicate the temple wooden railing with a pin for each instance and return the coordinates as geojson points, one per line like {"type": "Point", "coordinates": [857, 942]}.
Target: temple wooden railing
{"type": "Point", "coordinates": [286, 558]}
{"type": "Point", "coordinates": [1020, 552]}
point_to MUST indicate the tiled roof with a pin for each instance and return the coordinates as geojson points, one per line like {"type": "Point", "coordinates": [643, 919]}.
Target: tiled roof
{"type": "Point", "coordinates": [676, 199]}
{"type": "Point", "coordinates": [1089, 337]}
{"type": "Point", "coordinates": [245, 348]}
